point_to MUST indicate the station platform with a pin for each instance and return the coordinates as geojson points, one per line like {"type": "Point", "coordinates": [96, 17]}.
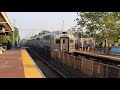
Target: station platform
{"type": "Point", "coordinates": [17, 63]}
{"type": "Point", "coordinates": [113, 57]}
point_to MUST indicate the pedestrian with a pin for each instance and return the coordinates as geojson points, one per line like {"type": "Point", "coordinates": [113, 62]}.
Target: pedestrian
{"type": "Point", "coordinates": [8, 45]}
{"type": "Point", "coordinates": [85, 46]}
{"type": "Point", "coordinates": [88, 47]}
{"type": "Point", "coordinates": [15, 44]}
{"type": "Point", "coordinates": [100, 46]}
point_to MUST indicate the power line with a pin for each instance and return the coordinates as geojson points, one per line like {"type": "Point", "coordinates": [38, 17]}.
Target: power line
{"type": "Point", "coordinates": [63, 25]}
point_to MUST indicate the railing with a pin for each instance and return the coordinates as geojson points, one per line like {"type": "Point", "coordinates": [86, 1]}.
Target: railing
{"type": "Point", "coordinates": [81, 63]}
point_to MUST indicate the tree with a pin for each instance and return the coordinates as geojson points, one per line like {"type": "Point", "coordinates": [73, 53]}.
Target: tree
{"type": "Point", "coordinates": [16, 35]}
{"type": "Point", "coordinates": [41, 33]}
{"type": "Point", "coordinates": [73, 31]}
{"type": "Point", "coordinates": [5, 39]}
{"type": "Point", "coordinates": [44, 32]}
{"type": "Point", "coordinates": [107, 23]}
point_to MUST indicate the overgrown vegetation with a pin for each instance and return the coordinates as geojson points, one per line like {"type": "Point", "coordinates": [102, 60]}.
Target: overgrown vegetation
{"type": "Point", "coordinates": [9, 37]}
{"type": "Point", "coordinates": [41, 33]}
{"type": "Point", "coordinates": [107, 24]}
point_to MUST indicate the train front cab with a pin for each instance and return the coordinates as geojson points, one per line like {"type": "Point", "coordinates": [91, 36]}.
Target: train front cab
{"type": "Point", "coordinates": [64, 44]}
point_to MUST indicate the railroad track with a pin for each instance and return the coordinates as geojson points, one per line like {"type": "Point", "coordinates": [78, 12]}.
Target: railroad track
{"type": "Point", "coordinates": [48, 70]}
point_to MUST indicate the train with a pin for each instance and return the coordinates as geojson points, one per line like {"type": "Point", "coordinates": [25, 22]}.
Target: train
{"type": "Point", "coordinates": [57, 40]}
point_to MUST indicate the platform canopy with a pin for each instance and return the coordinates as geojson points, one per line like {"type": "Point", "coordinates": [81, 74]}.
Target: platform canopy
{"type": "Point", "coordinates": [4, 20]}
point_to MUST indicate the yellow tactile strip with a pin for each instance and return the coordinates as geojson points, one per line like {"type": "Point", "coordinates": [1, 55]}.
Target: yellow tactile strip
{"type": "Point", "coordinates": [30, 70]}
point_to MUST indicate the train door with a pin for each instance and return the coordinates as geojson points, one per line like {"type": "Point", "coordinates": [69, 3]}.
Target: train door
{"type": "Point", "coordinates": [64, 44]}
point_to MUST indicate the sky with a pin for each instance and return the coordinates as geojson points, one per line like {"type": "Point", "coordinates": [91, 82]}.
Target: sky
{"type": "Point", "coordinates": [31, 23]}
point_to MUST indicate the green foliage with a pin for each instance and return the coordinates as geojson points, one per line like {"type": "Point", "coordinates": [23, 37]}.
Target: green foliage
{"type": "Point", "coordinates": [5, 39]}
{"type": "Point", "coordinates": [107, 23]}
{"type": "Point", "coordinates": [9, 37]}
{"type": "Point", "coordinates": [41, 33]}
{"type": "Point", "coordinates": [44, 32]}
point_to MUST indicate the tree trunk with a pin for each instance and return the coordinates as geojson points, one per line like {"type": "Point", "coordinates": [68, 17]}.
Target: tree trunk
{"type": "Point", "coordinates": [108, 51]}
{"type": "Point", "coordinates": [105, 47]}
{"type": "Point", "coordinates": [109, 37]}
{"type": "Point", "coordinates": [95, 38]}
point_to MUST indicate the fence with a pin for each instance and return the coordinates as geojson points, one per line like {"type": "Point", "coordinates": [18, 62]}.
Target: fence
{"type": "Point", "coordinates": [81, 63]}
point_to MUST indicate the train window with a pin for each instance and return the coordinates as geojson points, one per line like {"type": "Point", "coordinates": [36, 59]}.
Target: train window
{"type": "Point", "coordinates": [46, 37]}
{"type": "Point", "coordinates": [71, 41]}
{"type": "Point", "coordinates": [37, 39]}
{"type": "Point", "coordinates": [63, 41]}
{"type": "Point", "coordinates": [57, 40]}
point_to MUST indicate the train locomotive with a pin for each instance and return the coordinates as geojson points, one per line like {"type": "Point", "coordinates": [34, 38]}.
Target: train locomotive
{"type": "Point", "coordinates": [59, 41]}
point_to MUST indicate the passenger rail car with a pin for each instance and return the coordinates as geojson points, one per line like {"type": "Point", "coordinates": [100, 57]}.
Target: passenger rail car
{"type": "Point", "coordinates": [61, 41]}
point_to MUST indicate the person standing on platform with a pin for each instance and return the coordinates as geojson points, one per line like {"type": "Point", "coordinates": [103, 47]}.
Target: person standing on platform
{"type": "Point", "coordinates": [85, 46]}
{"type": "Point", "coordinates": [100, 45]}
{"type": "Point", "coordinates": [89, 46]}
{"type": "Point", "coordinates": [15, 44]}
{"type": "Point", "coordinates": [8, 45]}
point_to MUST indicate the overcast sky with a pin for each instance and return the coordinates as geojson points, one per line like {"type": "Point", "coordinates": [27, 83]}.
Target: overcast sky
{"type": "Point", "coordinates": [30, 23]}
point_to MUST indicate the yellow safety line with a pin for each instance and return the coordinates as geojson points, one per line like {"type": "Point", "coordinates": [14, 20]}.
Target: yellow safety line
{"type": "Point", "coordinates": [30, 70]}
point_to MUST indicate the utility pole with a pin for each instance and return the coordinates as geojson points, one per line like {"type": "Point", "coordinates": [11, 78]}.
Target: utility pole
{"type": "Point", "coordinates": [13, 33]}
{"type": "Point", "coordinates": [63, 25]}
{"type": "Point", "coordinates": [81, 39]}
{"type": "Point", "coordinates": [13, 30]}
